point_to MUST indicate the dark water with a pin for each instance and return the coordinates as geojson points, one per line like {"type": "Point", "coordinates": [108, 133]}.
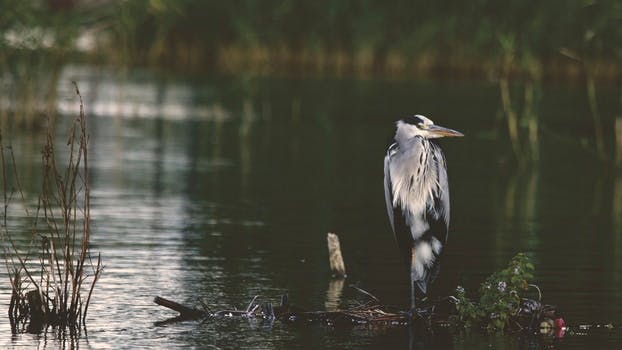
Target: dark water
{"type": "Point", "coordinates": [224, 189]}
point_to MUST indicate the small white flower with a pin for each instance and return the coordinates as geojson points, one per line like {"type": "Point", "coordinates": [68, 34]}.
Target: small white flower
{"type": "Point", "coordinates": [501, 286]}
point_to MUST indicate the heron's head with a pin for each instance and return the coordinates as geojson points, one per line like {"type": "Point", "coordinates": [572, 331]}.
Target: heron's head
{"type": "Point", "coordinates": [418, 125]}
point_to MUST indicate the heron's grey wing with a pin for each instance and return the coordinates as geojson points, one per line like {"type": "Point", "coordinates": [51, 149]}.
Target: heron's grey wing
{"type": "Point", "coordinates": [396, 215]}
{"type": "Point", "coordinates": [388, 189]}
{"type": "Point", "coordinates": [439, 213]}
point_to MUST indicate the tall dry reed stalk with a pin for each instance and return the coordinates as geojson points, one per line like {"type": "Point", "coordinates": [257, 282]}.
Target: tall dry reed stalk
{"type": "Point", "coordinates": [57, 289]}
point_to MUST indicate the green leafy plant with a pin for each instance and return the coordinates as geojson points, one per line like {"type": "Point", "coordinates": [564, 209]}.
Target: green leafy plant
{"type": "Point", "coordinates": [468, 312]}
{"type": "Point", "coordinates": [500, 297]}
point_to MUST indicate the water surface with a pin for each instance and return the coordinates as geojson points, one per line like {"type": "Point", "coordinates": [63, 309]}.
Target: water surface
{"type": "Point", "coordinates": [224, 188]}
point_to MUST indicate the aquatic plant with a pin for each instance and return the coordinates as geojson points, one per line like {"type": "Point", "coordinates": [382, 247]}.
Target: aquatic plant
{"type": "Point", "coordinates": [500, 301]}
{"type": "Point", "coordinates": [57, 289]}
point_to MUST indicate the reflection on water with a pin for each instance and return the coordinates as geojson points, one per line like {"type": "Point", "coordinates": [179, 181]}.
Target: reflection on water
{"type": "Point", "coordinates": [516, 210]}
{"type": "Point", "coordinates": [224, 189]}
{"type": "Point", "coordinates": [334, 294]}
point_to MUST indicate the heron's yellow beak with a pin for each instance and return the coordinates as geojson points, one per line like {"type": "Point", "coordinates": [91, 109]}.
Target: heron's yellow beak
{"type": "Point", "coordinates": [440, 131]}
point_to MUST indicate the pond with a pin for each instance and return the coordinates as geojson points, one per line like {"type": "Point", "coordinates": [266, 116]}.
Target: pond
{"type": "Point", "coordinates": [223, 188]}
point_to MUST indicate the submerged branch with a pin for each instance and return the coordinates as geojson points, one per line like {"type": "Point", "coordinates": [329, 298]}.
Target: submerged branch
{"type": "Point", "coordinates": [499, 308]}
{"type": "Point", "coordinates": [435, 315]}
{"type": "Point", "coordinates": [185, 312]}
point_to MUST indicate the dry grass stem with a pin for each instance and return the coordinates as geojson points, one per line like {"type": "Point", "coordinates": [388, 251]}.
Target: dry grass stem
{"type": "Point", "coordinates": [51, 292]}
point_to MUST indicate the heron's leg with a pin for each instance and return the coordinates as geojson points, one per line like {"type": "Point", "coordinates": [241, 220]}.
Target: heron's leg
{"type": "Point", "coordinates": [413, 309]}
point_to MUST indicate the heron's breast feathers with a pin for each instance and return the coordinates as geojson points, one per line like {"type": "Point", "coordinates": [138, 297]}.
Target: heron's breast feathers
{"type": "Point", "coordinates": [415, 184]}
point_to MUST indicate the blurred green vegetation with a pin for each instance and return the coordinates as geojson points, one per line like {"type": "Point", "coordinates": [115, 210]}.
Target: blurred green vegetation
{"type": "Point", "coordinates": [475, 38]}
{"type": "Point", "coordinates": [362, 37]}
{"type": "Point", "coordinates": [36, 40]}
{"type": "Point", "coordinates": [517, 44]}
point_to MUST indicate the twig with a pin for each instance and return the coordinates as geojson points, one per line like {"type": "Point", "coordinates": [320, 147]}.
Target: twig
{"type": "Point", "coordinates": [205, 307]}
{"type": "Point", "coordinates": [185, 312]}
{"type": "Point", "coordinates": [250, 305]}
{"type": "Point", "coordinates": [98, 271]}
{"type": "Point", "coordinates": [365, 292]}
{"type": "Point", "coordinates": [539, 292]}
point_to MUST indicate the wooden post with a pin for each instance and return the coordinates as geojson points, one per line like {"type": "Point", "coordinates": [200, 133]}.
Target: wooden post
{"type": "Point", "coordinates": [334, 256]}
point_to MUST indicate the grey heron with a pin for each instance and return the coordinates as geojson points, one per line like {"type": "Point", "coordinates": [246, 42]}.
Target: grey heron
{"type": "Point", "coordinates": [417, 197]}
